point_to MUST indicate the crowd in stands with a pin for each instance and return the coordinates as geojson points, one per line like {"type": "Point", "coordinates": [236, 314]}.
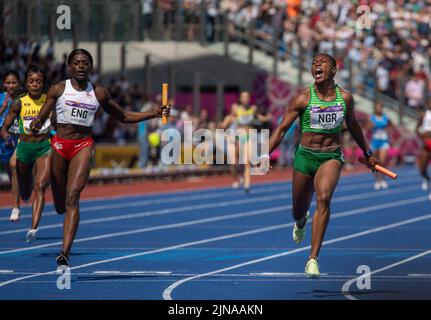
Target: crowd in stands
{"type": "Point", "coordinates": [391, 54]}
{"type": "Point", "coordinates": [388, 42]}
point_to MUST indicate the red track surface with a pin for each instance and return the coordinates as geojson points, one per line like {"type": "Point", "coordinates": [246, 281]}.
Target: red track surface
{"type": "Point", "coordinates": [148, 187]}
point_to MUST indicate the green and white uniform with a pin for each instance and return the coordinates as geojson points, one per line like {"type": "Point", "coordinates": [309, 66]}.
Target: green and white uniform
{"type": "Point", "coordinates": [320, 117]}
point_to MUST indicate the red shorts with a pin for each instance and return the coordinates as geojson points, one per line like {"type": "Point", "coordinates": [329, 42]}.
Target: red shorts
{"type": "Point", "coordinates": [68, 148]}
{"type": "Point", "coordinates": [427, 144]}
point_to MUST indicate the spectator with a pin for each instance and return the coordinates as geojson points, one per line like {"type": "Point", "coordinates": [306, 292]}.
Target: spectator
{"type": "Point", "coordinates": [414, 92]}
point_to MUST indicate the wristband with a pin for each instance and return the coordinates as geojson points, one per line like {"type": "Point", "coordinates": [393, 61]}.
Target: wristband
{"type": "Point", "coordinates": [265, 156]}
{"type": "Point", "coordinates": [368, 154]}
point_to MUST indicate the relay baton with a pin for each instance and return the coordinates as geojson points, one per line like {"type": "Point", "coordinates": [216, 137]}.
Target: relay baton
{"type": "Point", "coordinates": [164, 100]}
{"type": "Point", "coordinates": [380, 169]}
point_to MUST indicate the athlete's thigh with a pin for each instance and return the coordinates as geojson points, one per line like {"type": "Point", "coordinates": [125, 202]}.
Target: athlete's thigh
{"type": "Point", "coordinates": [424, 156]}
{"type": "Point", "coordinates": [327, 177]}
{"type": "Point", "coordinates": [42, 172]}
{"type": "Point", "coordinates": [79, 170]}
{"type": "Point", "coordinates": [58, 169]}
{"type": "Point", "coordinates": [302, 192]}
{"type": "Point", "coordinates": [25, 178]}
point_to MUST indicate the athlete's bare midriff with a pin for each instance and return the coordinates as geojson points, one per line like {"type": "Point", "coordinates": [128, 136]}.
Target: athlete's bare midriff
{"type": "Point", "coordinates": [320, 140]}
{"type": "Point", "coordinates": [426, 135]}
{"type": "Point", "coordinates": [33, 138]}
{"type": "Point", "coordinates": [72, 131]}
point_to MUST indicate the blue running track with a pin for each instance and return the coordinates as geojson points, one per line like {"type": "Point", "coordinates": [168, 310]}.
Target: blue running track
{"type": "Point", "coordinates": [221, 243]}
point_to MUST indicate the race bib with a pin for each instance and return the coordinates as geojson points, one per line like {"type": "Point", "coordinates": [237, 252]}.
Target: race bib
{"type": "Point", "coordinates": [81, 114]}
{"type": "Point", "coordinates": [326, 118]}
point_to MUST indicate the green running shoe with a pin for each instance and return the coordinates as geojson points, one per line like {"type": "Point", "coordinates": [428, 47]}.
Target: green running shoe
{"type": "Point", "coordinates": [312, 269]}
{"type": "Point", "coordinates": [299, 234]}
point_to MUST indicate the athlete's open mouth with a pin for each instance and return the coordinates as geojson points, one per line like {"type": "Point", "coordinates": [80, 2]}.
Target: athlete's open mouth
{"type": "Point", "coordinates": [318, 73]}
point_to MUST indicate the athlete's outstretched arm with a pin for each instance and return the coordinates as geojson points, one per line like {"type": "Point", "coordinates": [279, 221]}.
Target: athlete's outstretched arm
{"type": "Point", "coordinates": [114, 110]}
{"type": "Point", "coordinates": [53, 94]}
{"type": "Point", "coordinates": [14, 110]}
{"type": "Point", "coordinates": [296, 106]}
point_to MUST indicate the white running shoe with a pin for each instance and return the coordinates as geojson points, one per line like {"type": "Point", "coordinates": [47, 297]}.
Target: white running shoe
{"type": "Point", "coordinates": [31, 235]}
{"type": "Point", "coordinates": [384, 184]}
{"type": "Point", "coordinates": [377, 185]}
{"type": "Point", "coordinates": [235, 185]}
{"type": "Point", "coordinates": [425, 184]}
{"type": "Point", "coordinates": [299, 234]}
{"type": "Point", "coordinates": [241, 180]}
{"type": "Point", "coordinates": [14, 217]}
{"type": "Point", "coordinates": [312, 269]}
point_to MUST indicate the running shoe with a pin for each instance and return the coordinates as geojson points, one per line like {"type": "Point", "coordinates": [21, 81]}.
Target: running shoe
{"type": "Point", "coordinates": [235, 185]}
{"type": "Point", "coordinates": [377, 185]}
{"type": "Point", "coordinates": [384, 184]}
{"type": "Point", "coordinates": [14, 217]}
{"type": "Point", "coordinates": [425, 184]}
{"type": "Point", "coordinates": [31, 235]}
{"type": "Point", "coordinates": [299, 234]}
{"type": "Point", "coordinates": [312, 269]}
{"type": "Point", "coordinates": [62, 260]}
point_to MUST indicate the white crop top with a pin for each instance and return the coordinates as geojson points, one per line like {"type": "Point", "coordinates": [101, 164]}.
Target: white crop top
{"type": "Point", "coordinates": [77, 107]}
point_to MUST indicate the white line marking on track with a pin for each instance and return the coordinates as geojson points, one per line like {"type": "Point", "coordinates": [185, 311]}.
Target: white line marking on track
{"type": "Point", "coordinates": [117, 272]}
{"type": "Point", "coordinates": [212, 205]}
{"type": "Point", "coordinates": [227, 217]}
{"type": "Point", "coordinates": [221, 238]}
{"type": "Point", "coordinates": [214, 195]}
{"type": "Point", "coordinates": [346, 286]}
{"type": "Point", "coordinates": [6, 271]}
{"type": "Point", "coordinates": [167, 293]}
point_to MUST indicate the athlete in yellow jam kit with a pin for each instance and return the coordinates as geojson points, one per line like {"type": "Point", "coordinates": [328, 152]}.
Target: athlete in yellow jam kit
{"type": "Point", "coordinates": [32, 150]}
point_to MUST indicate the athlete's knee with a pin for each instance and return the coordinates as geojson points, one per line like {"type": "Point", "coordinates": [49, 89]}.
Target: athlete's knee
{"type": "Point", "coordinates": [12, 165]}
{"type": "Point", "coordinates": [72, 198]}
{"type": "Point", "coordinates": [40, 186]}
{"type": "Point", "coordinates": [323, 198]}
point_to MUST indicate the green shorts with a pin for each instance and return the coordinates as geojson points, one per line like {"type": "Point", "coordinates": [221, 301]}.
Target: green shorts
{"type": "Point", "coordinates": [29, 152]}
{"type": "Point", "coordinates": [308, 161]}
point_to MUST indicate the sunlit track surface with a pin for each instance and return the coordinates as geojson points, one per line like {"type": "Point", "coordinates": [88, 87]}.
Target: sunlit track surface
{"type": "Point", "coordinates": [223, 244]}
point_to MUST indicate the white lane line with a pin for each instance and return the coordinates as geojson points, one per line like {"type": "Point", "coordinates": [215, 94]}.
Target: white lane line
{"type": "Point", "coordinates": [181, 192]}
{"type": "Point", "coordinates": [6, 271]}
{"type": "Point", "coordinates": [212, 205]}
{"type": "Point", "coordinates": [266, 189]}
{"type": "Point", "coordinates": [252, 276]}
{"type": "Point", "coordinates": [167, 293]}
{"type": "Point", "coordinates": [280, 274]}
{"type": "Point", "coordinates": [226, 217]}
{"type": "Point", "coordinates": [128, 273]}
{"type": "Point", "coordinates": [220, 238]}
{"type": "Point", "coordinates": [94, 208]}
{"type": "Point", "coordinates": [346, 286]}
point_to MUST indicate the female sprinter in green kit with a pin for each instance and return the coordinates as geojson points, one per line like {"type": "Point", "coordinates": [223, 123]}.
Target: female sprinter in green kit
{"type": "Point", "coordinates": [33, 150]}
{"type": "Point", "coordinates": [321, 108]}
